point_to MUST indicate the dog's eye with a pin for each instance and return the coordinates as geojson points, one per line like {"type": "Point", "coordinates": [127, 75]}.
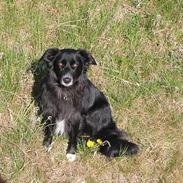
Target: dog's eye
{"type": "Point", "coordinates": [74, 66]}
{"type": "Point", "coordinates": [61, 65]}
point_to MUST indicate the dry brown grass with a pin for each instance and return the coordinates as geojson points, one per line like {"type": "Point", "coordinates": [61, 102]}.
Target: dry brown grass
{"type": "Point", "coordinates": [138, 47]}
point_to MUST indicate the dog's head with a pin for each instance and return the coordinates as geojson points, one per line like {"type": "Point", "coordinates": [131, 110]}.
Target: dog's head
{"type": "Point", "coordinates": [68, 64]}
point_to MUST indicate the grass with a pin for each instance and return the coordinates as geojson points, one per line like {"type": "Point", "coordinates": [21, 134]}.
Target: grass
{"type": "Point", "coordinates": [139, 49]}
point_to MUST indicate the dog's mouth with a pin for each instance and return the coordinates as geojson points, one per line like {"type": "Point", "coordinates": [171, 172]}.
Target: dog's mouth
{"type": "Point", "coordinates": [67, 80]}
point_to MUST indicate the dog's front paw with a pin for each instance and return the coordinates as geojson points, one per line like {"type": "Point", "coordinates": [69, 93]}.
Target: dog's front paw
{"type": "Point", "coordinates": [71, 157]}
{"type": "Point", "coordinates": [47, 141]}
{"type": "Point", "coordinates": [48, 148]}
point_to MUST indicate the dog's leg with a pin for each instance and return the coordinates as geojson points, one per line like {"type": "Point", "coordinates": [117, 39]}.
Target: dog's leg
{"type": "Point", "coordinates": [72, 145]}
{"type": "Point", "coordinates": [73, 132]}
{"type": "Point", "coordinates": [48, 132]}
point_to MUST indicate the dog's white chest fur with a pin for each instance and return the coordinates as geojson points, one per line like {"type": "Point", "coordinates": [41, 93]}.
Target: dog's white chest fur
{"type": "Point", "coordinates": [60, 127]}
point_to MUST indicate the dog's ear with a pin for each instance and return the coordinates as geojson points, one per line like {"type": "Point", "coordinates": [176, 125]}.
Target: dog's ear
{"type": "Point", "coordinates": [49, 56]}
{"type": "Point", "coordinates": [87, 56]}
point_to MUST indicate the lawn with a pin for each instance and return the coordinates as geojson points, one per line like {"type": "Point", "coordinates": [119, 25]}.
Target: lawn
{"type": "Point", "coordinates": [138, 45]}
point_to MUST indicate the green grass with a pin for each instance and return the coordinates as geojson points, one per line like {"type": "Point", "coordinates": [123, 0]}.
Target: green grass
{"type": "Point", "coordinates": [139, 50]}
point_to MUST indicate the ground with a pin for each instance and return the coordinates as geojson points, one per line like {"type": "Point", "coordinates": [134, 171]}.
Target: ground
{"type": "Point", "coordinates": [138, 45]}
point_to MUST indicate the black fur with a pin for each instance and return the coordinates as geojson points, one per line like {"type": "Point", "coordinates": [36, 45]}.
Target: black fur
{"type": "Point", "coordinates": [83, 107]}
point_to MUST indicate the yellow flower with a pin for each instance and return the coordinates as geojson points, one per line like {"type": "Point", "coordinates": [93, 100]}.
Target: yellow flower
{"type": "Point", "coordinates": [99, 141]}
{"type": "Point", "coordinates": [90, 143]}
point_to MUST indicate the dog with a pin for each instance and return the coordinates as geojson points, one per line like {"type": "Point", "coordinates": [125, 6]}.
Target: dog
{"type": "Point", "coordinates": [73, 106]}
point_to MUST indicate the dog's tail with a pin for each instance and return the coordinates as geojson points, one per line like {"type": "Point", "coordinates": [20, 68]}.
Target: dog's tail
{"type": "Point", "coordinates": [114, 143]}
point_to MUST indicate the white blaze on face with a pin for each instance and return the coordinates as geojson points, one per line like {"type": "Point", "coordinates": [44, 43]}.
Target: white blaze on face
{"type": "Point", "coordinates": [60, 127]}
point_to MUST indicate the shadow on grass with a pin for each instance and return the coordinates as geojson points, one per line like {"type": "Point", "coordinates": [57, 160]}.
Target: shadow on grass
{"type": "Point", "coordinates": [39, 70]}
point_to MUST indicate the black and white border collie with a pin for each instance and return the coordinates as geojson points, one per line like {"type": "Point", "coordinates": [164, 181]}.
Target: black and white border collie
{"type": "Point", "coordinates": [73, 106]}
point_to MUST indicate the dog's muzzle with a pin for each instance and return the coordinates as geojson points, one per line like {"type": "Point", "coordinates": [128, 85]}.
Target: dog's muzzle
{"type": "Point", "coordinates": [67, 80]}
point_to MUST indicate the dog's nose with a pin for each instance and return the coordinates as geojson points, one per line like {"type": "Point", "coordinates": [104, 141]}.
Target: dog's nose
{"type": "Point", "coordinates": [67, 80]}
